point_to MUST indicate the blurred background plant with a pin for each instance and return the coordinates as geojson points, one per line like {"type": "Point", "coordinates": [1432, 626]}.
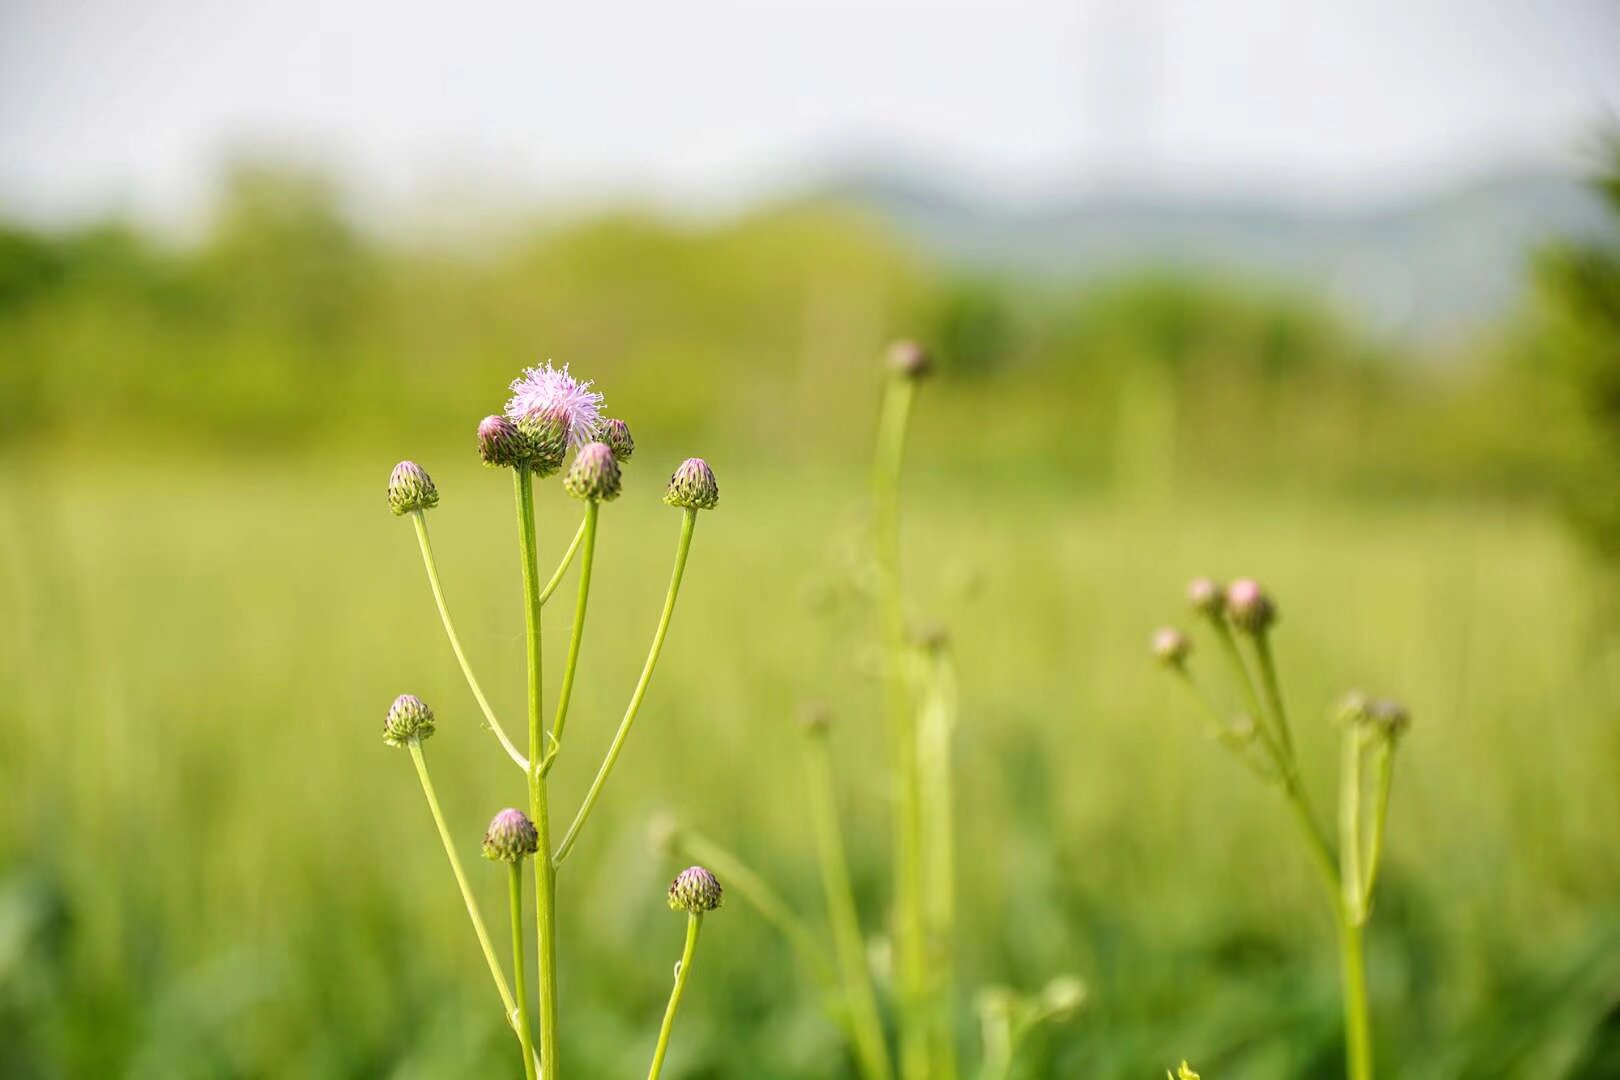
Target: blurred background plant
{"type": "Point", "coordinates": [1396, 408]}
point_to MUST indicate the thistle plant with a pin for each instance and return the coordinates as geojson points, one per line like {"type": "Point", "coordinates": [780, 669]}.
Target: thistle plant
{"type": "Point", "coordinates": [1241, 618]}
{"type": "Point", "coordinates": [920, 710]}
{"type": "Point", "coordinates": [548, 414]}
{"type": "Point", "coordinates": [696, 892]}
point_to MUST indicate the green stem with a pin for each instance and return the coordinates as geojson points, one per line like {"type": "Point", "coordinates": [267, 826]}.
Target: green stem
{"type": "Point", "coordinates": [1357, 1028]}
{"type": "Point", "coordinates": [420, 520]}
{"type": "Point", "coordinates": [514, 879]}
{"type": "Point", "coordinates": [911, 956]}
{"type": "Point", "coordinates": [865, 1023]}
{"type": "Point", "coordinates": [461, 880]}
{"type": "Point", "coordinates": [1350, 824]}
{"type": "Point", "coordinates": [741, 880]}
{"type": "Point", "coordinates": [539, 810]}
{"type": "Point", "coordinates": [566, 693]}
{"type": "Point", "coordinates": [1220, 729]}
{"type": "Point", "coordinates": [1384, 766]}
{"type": "Point", "coordinates": [562, 567]}
{"type": "Point", "coordinates": [1273, 688]}
{"type": "Point", "coordinates": [935, 730]}
{"type": "Point", "coordinates": [694, 923]}
{"type": "Point", "coordinates": [1240, 672]}
{"type": "Point", "coordinates": [683, 546]}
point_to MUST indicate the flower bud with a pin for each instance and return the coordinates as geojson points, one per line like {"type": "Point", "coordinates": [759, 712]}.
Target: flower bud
{"type": "Point", "coordinates": [1171, 646]}
{"type": "Point", "coordinates": [1389, 717]}
{"type": "Point", "coordinates": [616, 433]}
{"type": "Point", "coordinates": [545, 443]}
{"type": "Point", "coordinates": [594, 473]}
{"type": "Point", "coordinates": [511, 836]}
{"type": "Point", "coordinates": [410, 489]}
{"type": "Point", "coordinates": [409, 720]}
{"type": "Point", "coordinates": [909, 360]}
{"type": "Point", "coordinates": [1352, 708]}
{"type": "Point", "coordinates": [1204, 596]}
{"type": "Point", "coordinates": [500, 443]}
{"type": "Point", "coordinates": [693, 486]}
{"type": "Point", "coordinates": [1249, 608]}
{"type": "Point", "coordinates": [694, 891]}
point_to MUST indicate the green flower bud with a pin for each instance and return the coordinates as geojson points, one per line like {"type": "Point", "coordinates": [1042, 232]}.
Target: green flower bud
{"type": "Point", "coordinates": [510, 837]}
{"type": "Point", "coordinates": [909, 360]}
{"type": "Point", "coordinates": [1171, 646]}
{"type": "Point", "coordinates": [409, 720]}
{"type": "Point", "coordinates": [545, 442]}
{"type": "Point", "coordinates": [616, 433]}
{"type": "Point", "coordinates": [693, 486]}
{"type": "Point", "coordinates": [1249, 608]}
{"type": "Point", "coordinates": [500, 443]}
{"type": "Point", "coordinates": [410, 489]}
{"type": "Point", "coordinates": [694, 891]}
{"type": "Point", "coordinates": [594, 473]}
{"type": "Point", "coordinates": [1205, 596]}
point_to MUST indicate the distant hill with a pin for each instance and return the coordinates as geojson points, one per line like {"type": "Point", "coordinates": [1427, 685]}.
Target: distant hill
{"type": "Point", "coordinates": [1425, 266]}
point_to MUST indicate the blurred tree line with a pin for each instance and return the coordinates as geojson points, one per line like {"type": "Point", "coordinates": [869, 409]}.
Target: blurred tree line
{"type": "Point", "coordinates": [288, 326]}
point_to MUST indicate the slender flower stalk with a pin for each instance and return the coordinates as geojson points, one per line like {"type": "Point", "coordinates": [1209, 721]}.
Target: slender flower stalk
{"type": "Point", "coordinates": [910, 946]}
{"type": "Point", "coordinates": [592, 507]}
{"type": "Point", "coordinates": [539, 809]}
{"type": "Point", "coordinates": [420, 521]}
{"type": "Point", "coordinates": [936, 730]}
{"type": "Point", "coordinates": [696, 892]}
{"type": "Point", "coordinates": [866, 1025]}
{"type": "Point", "coordinates": [562, 567]}
{"type": "Point", "coordinates": [511, 839]}
{"type": "Point", "coordinates": [682, 548]}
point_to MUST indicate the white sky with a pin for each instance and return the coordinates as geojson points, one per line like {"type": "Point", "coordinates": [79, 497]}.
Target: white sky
{"type": "Point", "coordinates": [704, 103]}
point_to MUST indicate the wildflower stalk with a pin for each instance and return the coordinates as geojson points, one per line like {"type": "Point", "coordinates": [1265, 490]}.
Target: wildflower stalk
{"type": "Point", "coordinates": [1383, 775]}
{"type": "Point", "coordinates": [562, 567]}
{"type": "Point", "coordinates": [473, 914]}
{"type": "Point", "coordinates": [588, 530]}
{"type": "Point", "coordinates": [1350, 875]}
{"type": "Point", "coordinates": [1273, 689]}
{"type": "Point", "coordinates": [420, 521]}
{"type": "Point", "coordinates": [866, 1027]}
{"type": "Point", "coordinates": [1353, 971]}
{"type": "Point", "coordinates": [514, 878]}
{"type": "Point", "coordinates": [742, 880]}
{"type": "Point", "coordinates": [910, 947]}
{"type": "Point", "coordinates": [936, 728]}
{"type": "Point", "coordinates": [694, 923]}
{"type": "Point", "coordinates": [539, 810]}
{"type": "Point", "coordinates": [683, 547]}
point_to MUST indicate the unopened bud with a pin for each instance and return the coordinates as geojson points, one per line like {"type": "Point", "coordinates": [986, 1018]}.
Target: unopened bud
{"type": "Point", "coordinates": [409, 720]}
{"type": "Point", "coordinates": [1171, 646]}
{"type": "Point", "coordinates": [693, 486]}
{"type": "Point", "coordinates": [594, 475]}
{"type": "Point", "coordinates": [511, 837]}
{"type": "Point", "coordinates": [500, 443]}
{"type": "Point", "coordinates": [1249, 608]}
{"type": "Point", "coordinates": [1204, 596]}
{"type": "Point", "coordinates": [410, 489]}
{"type": "Point", "coordinates": [694, 891]}
{"type": "Point", "coordinates": [616, 433]}
{"type": "Point", "coordinates": [909, 359]}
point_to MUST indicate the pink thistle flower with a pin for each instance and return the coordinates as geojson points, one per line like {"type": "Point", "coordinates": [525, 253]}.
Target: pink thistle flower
{"type": "Point", "coordinates": [546, 395]}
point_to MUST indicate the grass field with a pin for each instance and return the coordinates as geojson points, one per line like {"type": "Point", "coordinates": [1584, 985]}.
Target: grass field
{"type": "Point", "coordinates": [210, 865]}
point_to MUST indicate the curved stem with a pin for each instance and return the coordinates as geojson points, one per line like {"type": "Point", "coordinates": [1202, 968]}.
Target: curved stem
{"type": "Point", "coordinates": [461, 880]}
{"type": "Point", "coordinates": [562, 567]}
{"type": "Point", "coordinates": [741, 880]}
{"type": "Point", "coordinates": [420, 521]}
{"type": "Point", "coordinates": [866, 1025]}
{"type": "Point", "coordinates": [544, 883]}
{"type": "Point", "coordinates": [911, 957]}
{"type": "Point", "coordinates": [588, 528]}
{"type": "Point", "coordinates": [683, 546]}
{"type": "Point", "coordinates": [1273, 689]}
{"type": "Point", "coordinates": [694, 923]}
{"type": "Point", "coordinates": [514, 879]}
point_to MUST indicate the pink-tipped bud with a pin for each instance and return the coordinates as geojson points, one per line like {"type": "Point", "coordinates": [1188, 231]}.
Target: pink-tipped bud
{"type": "Point", "coordinates": [500, 443]}
{"type": "Point", "coordinates": [616, 433]}
{"type": "Point", "coordinates": [410, 489]}
{"type": "Point", "coordinates": [1248, 606]}
{"type": "Point", "coordinates": [693, 487]}
{"type": "Point", "coordinates": [1204, 596]}
{"type": "Point", "coordinates": [909, 360]}
{"type": "Point", "coordinates": [409, 720]}
{"type": "Point", "coordinates": [1171, 646]}
{"type": "Point", "coordinates": [511, 837]}
{"type": "Point", "coordinates": [694, 891]}
{"type": "Point", "coordinates": [594, 475]}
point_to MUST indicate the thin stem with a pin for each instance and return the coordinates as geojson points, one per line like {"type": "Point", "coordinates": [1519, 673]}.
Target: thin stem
{"type": "Point", "coordinates": [588, 526]}
{"type": "Point", "coordinates": [1240, 670]}
{"type": "Point", "coordinates": [1383, 775]}
{"type": "Point", "coordinates": [683, 546]}
{"type": "Point", "coordinates": [1350, 823]}
{"type": "Point", "coordinates": [936, 726]}
{"type": "Point", "coordinates": [562, 567]}
{"type": "Point", "coordinates": [694, 923]}
{"type": "Point", "coordinates": [1220, 729]}
{"type": "Point", "coordinates": [912, 960]}
{"type": "Point", "coordinates": [461, 881]}
{"type": "Point", "coordinates": [420, 521]}
{"type": "Point", "coordinates": [514, 879]}
{"type": "Point", "coordinates": [1357, 1027]}
{"type": "Point", "coordinates": [865, 1024]}
{"type": "Point", "coordinates": [539, 810]}
{"type": "Point", "coordinates": [1273, 689]}
{"type": "Point", "coordinates": [741, 880]}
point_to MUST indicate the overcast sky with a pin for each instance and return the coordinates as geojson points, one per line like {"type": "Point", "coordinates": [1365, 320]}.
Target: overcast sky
{"type": "Point", "coordinates": [708, 103]}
